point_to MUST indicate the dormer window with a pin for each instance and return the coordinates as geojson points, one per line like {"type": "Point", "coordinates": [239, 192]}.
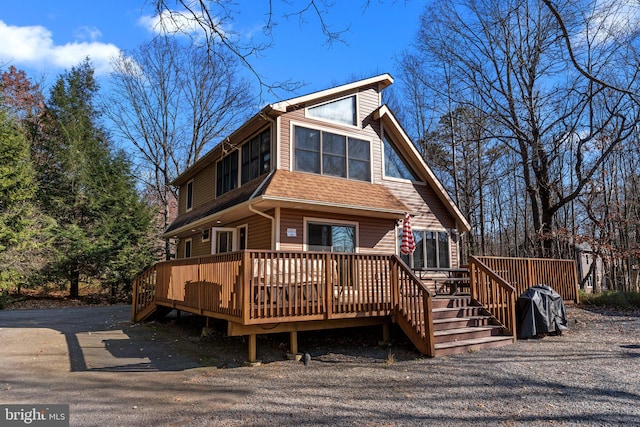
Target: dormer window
{"type": "Point", "coordinates": [341, 111]}
{"type": "Point", "coordinates": [332, 154]}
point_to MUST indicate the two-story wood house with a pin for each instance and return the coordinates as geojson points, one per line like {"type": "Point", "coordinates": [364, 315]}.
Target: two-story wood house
{"type": "Point", "coordinates": [294, 223]}
{"type": "Point", "coordinates": [329, 171]}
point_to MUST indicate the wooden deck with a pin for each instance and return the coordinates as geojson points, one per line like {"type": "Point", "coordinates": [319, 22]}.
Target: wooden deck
{"type": "Point", "coordinates": [261, 292]}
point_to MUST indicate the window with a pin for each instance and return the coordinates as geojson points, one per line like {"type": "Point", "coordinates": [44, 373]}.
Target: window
{"type": "Point", "coordinates": [227, 174]}
{"type": "Point", "coordinates": [256, 156]}
{"type": "Point", "coordinates": [340, 111]}
{"type": "Point", "coordinates": [242, 238]}
{"type": "Point", "coordinates": [331, 237]}
{"type": "Point", "coordinates": [432, 250]}
{"type": "Point", "coordinates": [224, 241]}
{"type": "Point", "coordinates": [190, 195]}
{"type": "Point", "coordinates": [331, 154]}
{"type": "Point", "coordinates": [187, 248]}
{"type": "Point", "coordinates": [394, 166]}
{"type": "Point", "coordinates": [205, 235]}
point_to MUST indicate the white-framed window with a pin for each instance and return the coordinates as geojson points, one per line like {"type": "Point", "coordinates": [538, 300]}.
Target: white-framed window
{"type": "Point", "coordinates": [328, 153]}
{"type": "Point", "coordinates": [343, 111]}
{"type": "Point", "coordinates": [189, 202]}
{"type": "Point", "coordinates": [433, 249]}
{"type": "Point", "coordinates": [206, 235]}
{"type": "Point", "coordinates": [187, 248]}
{"type": "Point", "coordinates": [323, 235]}
{"type": "Point", "coordinates": [228, 239]}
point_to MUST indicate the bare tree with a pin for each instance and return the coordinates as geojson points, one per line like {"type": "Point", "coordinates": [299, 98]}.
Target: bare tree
{"type": "Point", "coordinates": [173, 101]}
{"type": "Point", "coordinates": [509, 60]}
{"type": "Point", "coordinates": [212, 21]}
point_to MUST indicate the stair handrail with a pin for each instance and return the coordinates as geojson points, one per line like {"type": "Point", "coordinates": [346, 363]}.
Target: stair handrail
{"type": "Point", "coordinates": [143, 290]}
{"type": "Point", "coordinates": [413, 310]}
{"type": "Point", "coordinates": [481, 283]}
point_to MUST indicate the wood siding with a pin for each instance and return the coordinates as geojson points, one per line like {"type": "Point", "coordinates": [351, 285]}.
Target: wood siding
{"type": "Point", "coordinates": [258, 231]}
{"type": "Point", "coordinates": [375, 235]}
{"type": "Point", "coordinates": [430, 212]}
{"type": "Point", "coordinates": [368, 100]}
{"type": "Point", "coordinates": [204, 186]}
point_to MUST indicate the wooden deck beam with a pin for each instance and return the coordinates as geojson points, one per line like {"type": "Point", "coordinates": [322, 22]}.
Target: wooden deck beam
{"type": "Point", "coordinates": [236, 329]}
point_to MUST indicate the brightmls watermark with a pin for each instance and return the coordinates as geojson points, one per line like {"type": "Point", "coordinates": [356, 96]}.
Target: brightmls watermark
{"type": "Point", "coordinates": [34, 415]}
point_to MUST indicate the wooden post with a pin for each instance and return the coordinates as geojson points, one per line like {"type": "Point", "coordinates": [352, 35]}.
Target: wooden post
{"type": "Point", "coordinates": [328, 286]}
{"type": "Point", "coordinates": [472, 279]}
{"type": "Point", "coordinates": [245, 292]}
{"type": "Point", "coordinates": [253, 349]}
{"type": "Point", "coordinates": [293, 342]}
{"type": "Point", "coordinates": [395, 284]}
{"type": "Point", "coordinates": [386, 336]}
{"type": "Point", "coordinates": [134, 299]}
{"type": "Point", "coordinates": [512, 316]}
{"type": "Point", "coordinates": [428, 323]}
{"type": "Point", "coordinates": [575, 281]}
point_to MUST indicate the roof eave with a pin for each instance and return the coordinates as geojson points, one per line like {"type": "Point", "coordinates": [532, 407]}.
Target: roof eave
{"type": "Point", "coordinates": [383, 80]}
{"type": "Point", "coordinates": [267, 112]}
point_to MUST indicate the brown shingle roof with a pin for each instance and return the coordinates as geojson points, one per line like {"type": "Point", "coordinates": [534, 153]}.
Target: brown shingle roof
{"type": "Point", "coordinates": [221, 203]}
{"type": "Point", "coordinates": [305, 187]}
{"type": "Point", "coordinates": [301, 188]}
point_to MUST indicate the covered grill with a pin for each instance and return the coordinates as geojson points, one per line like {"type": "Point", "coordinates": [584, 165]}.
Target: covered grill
{"type": "Point", "coordinates": [540, 312]}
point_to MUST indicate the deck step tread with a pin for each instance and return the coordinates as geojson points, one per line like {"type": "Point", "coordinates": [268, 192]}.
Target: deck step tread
{"type": "Point", "coordinates": [466, 330]}
{"type": "Point", "coordinates": [458, 319]}
{"type": "Point", "coordinates": [474, 341]}
{"type": "Point", "coordinates": [443, 309]}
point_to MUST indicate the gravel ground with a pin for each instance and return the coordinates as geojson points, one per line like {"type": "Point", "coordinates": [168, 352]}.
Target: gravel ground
{"type": "Point", "coordinates": [588, 376]}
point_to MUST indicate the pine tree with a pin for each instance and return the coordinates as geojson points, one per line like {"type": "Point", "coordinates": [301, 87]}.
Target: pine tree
{"type": "Point", "coordinates": [89, 189]}
{"type": "Point", "coordinates": [16, 195]}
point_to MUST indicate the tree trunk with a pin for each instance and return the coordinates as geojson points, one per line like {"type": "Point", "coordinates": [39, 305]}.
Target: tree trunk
{"type": "Point", "coordinates": [74, 291]}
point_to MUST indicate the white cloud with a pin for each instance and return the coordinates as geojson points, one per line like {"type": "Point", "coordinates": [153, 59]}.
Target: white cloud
{"type": "Point", "coordinates": [177, 22]}
{"type": "Point", "coordinates": [34, 46]}
{"type": "Point", "coordinates": [87, 33]}
{"type": "Point", "coordinates": [611, 19]}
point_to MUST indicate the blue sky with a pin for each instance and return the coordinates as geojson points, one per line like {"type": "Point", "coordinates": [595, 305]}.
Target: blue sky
{"type": "Point", "coordinates": [45, 37]}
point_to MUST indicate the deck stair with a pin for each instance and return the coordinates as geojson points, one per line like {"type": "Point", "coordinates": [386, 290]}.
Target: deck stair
{"type": "Point", "coordinates": [460, 326]}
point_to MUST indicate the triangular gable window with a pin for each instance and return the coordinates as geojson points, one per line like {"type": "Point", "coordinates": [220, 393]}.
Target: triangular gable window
{"type": "Point", "coordinates": [394, 165]}
{"type": "Point", "coordinates": [340, 111]}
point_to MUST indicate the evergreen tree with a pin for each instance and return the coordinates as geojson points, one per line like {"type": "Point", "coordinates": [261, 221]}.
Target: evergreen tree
{"type": "Point", "coordinates": [17, 213]}
{"type": "Point", "coordinates": [89, 189]}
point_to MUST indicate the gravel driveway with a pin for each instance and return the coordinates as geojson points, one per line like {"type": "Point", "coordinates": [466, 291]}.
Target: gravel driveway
{"type": "Point", "coordinates": [114, 373]}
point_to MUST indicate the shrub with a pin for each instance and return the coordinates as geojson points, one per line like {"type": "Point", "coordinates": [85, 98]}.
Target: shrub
{"type": "Point", "coordinates": [613, 299]}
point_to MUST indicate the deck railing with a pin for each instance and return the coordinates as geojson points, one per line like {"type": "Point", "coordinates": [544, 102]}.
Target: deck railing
{"type": "Point", "coordinates": [143, 293]}
{"type": "Point", "coordinates": [494, 293]}
{"type": "Point", "coordinates": [522, 273]}
{"type": "Point", "coordinates": [413, 307]}
{"type": "Point", "coordinates": [293, 286]}
{"type": "Point", "coordinates": [267, 287]}
{"type": "Point", "coordinates": [257, 287]}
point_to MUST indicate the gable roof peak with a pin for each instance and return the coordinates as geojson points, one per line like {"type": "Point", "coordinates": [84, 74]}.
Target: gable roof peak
{"type": "Point", "coordinates": [383, 80]}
